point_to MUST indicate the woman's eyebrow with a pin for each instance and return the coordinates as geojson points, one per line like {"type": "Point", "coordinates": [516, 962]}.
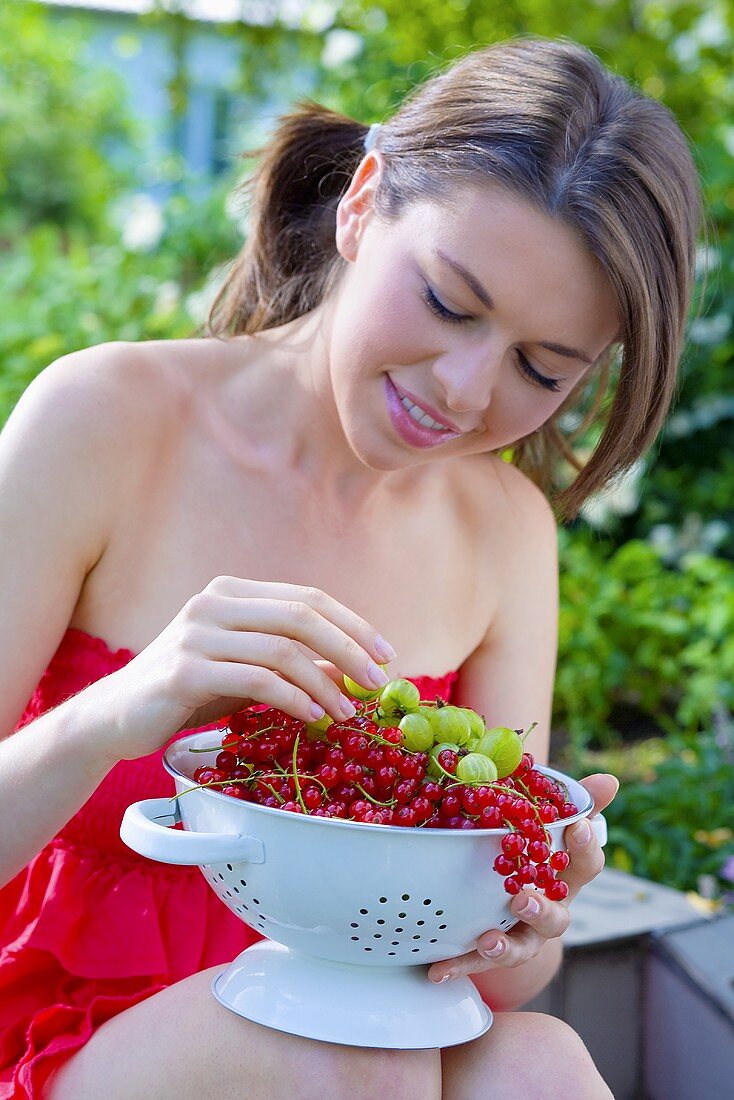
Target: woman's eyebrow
{"type": "Point", "coordinates": [478, 290]}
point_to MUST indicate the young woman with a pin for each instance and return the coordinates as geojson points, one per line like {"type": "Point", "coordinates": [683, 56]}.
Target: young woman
{"type": "Point", "coordinates": [191, 525]}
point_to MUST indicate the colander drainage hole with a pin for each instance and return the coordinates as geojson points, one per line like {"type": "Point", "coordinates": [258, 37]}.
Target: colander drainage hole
{"type": "Point", "coordinates": [406, 897]}
{"type": "Point", "coordinates": [354, 925]}
{"type": "Point", "coordinates": [416, 937]}
{"type": "Point", "coordinates": [243, 883]}
{"type": "Point", "coordinates": [229, 866]}
{"type": "Point", "coordinates": [402, 916]}
{"type": "Point", "coordinates": [377, 935]}
{"type": "Point", "coordinates": [398, 929]}
{"type": "Point", "coordinates": [427, 901]}
{"type": "Point", "coordinates": [415, 949]}
{"type": "Point", "coordinates": [441, 927]}
{"type": "Point", "coordinates": [394, 943]}
{"type": "Point", "coordinates": [391, 952]}
{"type": "Point", "coordinates": [255, 901]}
{"type": "Point", "coordinates": [220, 877]}
{"type": "Point", "coordinates": [382, 901]}
{"type": "Point", "coordinates": [439, 912]}
{"type": "Point", "coordinates": [368, 948]}
{"type": "Point", "coordinates": [418, 922]}
{"type": "Point", "coordinates": [355, 937]}
{"type": "Point", "coordinates": [380, 921]}
{"type": "Point", "coordinates": [433, 941]}
{"type": "Point", "coordinates": [364, 912]}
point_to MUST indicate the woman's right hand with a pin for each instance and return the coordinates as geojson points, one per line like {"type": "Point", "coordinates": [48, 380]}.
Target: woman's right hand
{"type": "Point", "coordinates": [235, 643]}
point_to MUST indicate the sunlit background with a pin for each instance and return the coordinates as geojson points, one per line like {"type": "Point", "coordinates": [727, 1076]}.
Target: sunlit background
{"type": "Point", "coordinates": [121, 128]}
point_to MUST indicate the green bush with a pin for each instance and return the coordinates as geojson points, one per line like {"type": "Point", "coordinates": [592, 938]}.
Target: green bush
{"type": "Point", "coordinates": [70, 292]}
{"type": "Point", "coordinates": [673, 822]}
{"type": "Point", "coordinates": [637, 636]}
{"type": "Point", "coordinates": [65, 135]}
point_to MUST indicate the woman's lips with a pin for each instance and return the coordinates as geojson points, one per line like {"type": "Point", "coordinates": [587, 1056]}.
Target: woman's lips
{"type": "Point", "coordinates": [402, 392]}
{"type": "Point", "coordinates": [406, 427]}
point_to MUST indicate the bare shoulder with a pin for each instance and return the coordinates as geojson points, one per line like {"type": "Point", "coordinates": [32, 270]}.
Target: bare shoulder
{"type": "Point", "coordinates": [116, 380]}
{"type": "Point", "coordinates": [99, 420]}
{"type": "Point", "coordinates": [508, 504]}
{"type": "Point", "coordinates": [120, 398]}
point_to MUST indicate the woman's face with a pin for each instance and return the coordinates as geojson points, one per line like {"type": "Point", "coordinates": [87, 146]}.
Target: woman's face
{"type": "Point", "coordinates": [480, 310]}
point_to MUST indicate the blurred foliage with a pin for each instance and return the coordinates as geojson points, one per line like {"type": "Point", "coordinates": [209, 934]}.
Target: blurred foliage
{"type": "Point", "coordinates": [646, 617]}
{"type": "Point", "coordinates": [71, 291]}
{"type": "Point", "coordinates": [673, 818]}
{"type": "Point", "coordinates": [65, 136]}
{"type": "Point", "coordinates": [640, 641]}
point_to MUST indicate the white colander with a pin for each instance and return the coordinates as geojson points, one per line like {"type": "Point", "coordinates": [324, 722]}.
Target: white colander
{"type": "Point", "coordinates": [354, 913]}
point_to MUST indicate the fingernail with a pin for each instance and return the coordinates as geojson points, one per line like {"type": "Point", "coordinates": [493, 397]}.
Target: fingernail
{"type": "Point", "coordinates": [530, 909]}
{"type": "Point", "coordinates": [377, 675]}
{"type": "Point", "coordinates": [348, 708]}
{"type": "Point", "coordinates": [582, 833]}
{"type": "Point", "coordinates": [440, 981]}
{"type": "Point", "coordinates": [317, 711]}
{"type": "Point", "coordinates": [492, 951]}
{"type": "Point", "coordinates": [384, 649]}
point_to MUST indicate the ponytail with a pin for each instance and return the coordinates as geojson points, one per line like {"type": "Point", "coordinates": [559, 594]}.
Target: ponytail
{"type": "Point", "coordinates": [290, 259]}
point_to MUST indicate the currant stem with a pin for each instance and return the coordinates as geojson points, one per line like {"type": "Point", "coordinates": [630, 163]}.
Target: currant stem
{"type": "Point", "coordinates": [296, 780]}
{"type": "Point", "coordinates": [528, 731]}
{"type": "Point", "coordinates": [375, 800]}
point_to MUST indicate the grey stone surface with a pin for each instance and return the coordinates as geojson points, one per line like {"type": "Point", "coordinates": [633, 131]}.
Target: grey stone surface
{"type": "Point", "coordinates": [618, 906]}
{"type": "Point", "coordinates": [688, 1038]}
{"type": "Point", "coordinates": [600, 989]}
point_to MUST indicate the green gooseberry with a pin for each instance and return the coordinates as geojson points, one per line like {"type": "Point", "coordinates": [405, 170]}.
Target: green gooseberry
{"type": "Point", "coordinates": [451, 724]}
{"type": "Point", "coordinates": [417, 732]}
{"type": "Point", "coordinates": [356, 690]}
{"type": "Point", "coordinates": [316, 731]}
{"type": "Point", "coordinates": [397, 699]}
{"type": "Point", "coordinates": [476, 768]}
{"type": "Point", "coordinates": [434, 768]}
{"type": "Point", "coordinates": [476, 722]}
{"type": "Point", "coordinates": [504, 747]}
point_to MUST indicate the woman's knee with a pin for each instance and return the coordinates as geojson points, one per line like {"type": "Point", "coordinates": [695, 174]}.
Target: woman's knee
{"type": "Point", "coordinates": [561, 1057]}
{"type": "Point", "coordinates": [522, 1054]}
{"type": "Point", "coordinates": [363, 1073]}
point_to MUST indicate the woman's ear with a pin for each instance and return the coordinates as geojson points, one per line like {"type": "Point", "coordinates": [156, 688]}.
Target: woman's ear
{"type": "Point", "coordinates": [356, 206]}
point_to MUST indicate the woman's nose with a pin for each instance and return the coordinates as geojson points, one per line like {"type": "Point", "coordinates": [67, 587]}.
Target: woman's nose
{"type": "Point", "coordinates": [467, 378]}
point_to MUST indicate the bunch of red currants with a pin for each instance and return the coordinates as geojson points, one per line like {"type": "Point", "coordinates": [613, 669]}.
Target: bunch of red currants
{"type": "Point", "coordinates": [401, 761]}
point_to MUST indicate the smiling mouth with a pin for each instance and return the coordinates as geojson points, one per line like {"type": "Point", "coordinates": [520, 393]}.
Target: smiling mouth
{"type": "Point", "coordinates": [421, 415]}
{"type": "Point", "coordinates": [416, 413]}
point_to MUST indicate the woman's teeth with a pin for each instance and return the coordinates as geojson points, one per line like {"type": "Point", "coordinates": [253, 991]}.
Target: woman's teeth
{"type": "Point", "coordinates": [421, 417]}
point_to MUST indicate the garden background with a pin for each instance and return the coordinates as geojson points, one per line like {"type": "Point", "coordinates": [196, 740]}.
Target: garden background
{"type": "Point", "coordinates": [111, 229]}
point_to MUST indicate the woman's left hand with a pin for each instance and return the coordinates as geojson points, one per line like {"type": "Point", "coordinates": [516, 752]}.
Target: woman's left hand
{"type": "Point", "coordinates": [546, 920]}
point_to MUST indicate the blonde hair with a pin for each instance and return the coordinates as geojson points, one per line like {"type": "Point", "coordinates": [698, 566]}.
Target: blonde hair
{"type": "Point", "coordinates": [550, 123]}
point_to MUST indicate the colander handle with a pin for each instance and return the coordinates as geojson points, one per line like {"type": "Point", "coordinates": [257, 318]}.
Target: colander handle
{"type": "Point", "coordinates": [145, 829]}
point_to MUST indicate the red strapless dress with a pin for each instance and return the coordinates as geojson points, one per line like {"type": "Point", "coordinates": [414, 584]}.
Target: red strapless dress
{"type": "Point", "coordinates": [89, 928]}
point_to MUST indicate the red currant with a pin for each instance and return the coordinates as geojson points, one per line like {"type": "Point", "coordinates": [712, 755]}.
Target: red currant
{"type": "Point", "coordinates": [557, 890]}
{"type": "Point", "coordinates": [559, 861]}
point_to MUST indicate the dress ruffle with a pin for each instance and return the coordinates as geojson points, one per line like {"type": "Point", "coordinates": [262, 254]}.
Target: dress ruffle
{"type": "Point", "coordinates": [89, 928]}
{"type": "Point", "coordinates": [85, 937]}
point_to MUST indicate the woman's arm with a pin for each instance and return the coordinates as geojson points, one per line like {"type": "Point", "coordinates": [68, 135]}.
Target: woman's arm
{"type": "Point", "coordinates": [509, 680]}
{"type": "Point", "coordinates": [64, 467]}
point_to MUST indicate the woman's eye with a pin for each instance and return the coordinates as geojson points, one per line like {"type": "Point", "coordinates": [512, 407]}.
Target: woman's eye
{"type": "Point", "coordinates": [553, 384]}
{"type": "Point", "coordinates": [443, 314]}
{"type": "Point", "coordinates": [440, 310]}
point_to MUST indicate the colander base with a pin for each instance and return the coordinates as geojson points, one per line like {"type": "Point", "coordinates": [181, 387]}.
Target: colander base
{"type": "Point", "coordinates": [391, 1007]}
